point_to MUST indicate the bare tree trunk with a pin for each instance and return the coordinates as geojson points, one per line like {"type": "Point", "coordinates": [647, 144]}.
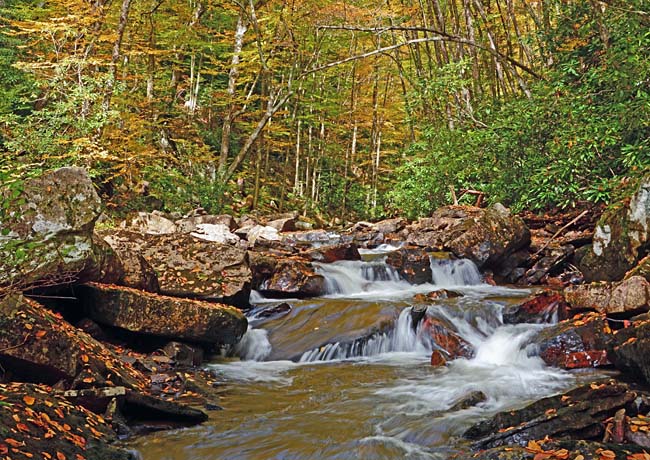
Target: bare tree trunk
{"type": "Point", "coordinates": [115, 57]}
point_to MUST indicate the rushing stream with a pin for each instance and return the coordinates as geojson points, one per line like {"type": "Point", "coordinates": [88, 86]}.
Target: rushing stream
{"type": "Point", "coordinates": [347, 376]}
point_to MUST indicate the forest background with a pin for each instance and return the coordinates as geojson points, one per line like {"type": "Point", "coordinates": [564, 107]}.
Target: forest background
{"type": "Point", "coordinates": [353, 109]}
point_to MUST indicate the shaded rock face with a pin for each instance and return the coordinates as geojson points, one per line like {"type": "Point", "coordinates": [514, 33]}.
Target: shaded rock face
{"type": "Point", "coordinates": [333, 253]}
{"type": "Point", "coordinates": [576, 343]}
{"type": "Point", "coordinates": [485, 236]}
{"type": "Point", "coordinates": [541, 308]}
{"type": "Point", "coordinates": [630, 350]}
{"type": "Point", "coordinates": [561, 449]}
{"type": "Point", "coordinates": [184, 266]}
{"type": "Point", "coordinates": [630, 296]}
{"type": "Point", "coordinates": [578, 414]}
{"type": "Point", "coordinates": [293, 278]}
{"type": "Point", "coordinates": [46, 233]}
{"type": "Point", "coordinates": [184, 319]}
{"type": "Point", "coordinates": [412, 264]}
{"type": "Point", "coordinates": [620, 239]}
{"type": "Point", "coordinates": [37, 344]}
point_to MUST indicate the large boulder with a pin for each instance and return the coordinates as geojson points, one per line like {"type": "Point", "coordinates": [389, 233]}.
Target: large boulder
{"type": "Point", "coordinates": [184, 266]}
{"type": "Point", "coordinates": [630, 296]}
{"type": "Point", "coordinates": [152, 223]}
{"type": "Point", "coordinates": [630, 350]}
{"type": "Point", "coordinates": [543, 307]}
{"type": "Point", "coordinates": [38, 345]}
{"type": "Point", "coordinates": [332, 253]}
{"type": "Point", "coordinates": [485, 236]}
{"type": "Point", "coordinates": [620, 239]}
{"type": "Point", "coordinates": [175, 318]}
{"type": "Point", "coordinates": [46, 226]}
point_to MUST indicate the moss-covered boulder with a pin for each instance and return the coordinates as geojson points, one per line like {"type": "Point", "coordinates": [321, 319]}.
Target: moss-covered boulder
{"type": "Point", "coordinates": [486, 236]}
{"type": "Point", "coordinates": [183, 266]}
{"type": "Point", "coordinates": [620, 239]}
{"type": "Point", "coordinates": [172, 317]}
{"type": "Point", "coordinates": [46, 226]}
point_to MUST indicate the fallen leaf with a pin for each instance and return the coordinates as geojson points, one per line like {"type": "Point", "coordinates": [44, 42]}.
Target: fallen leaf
{"type": "Point", "coordinates": [29, 400]}
{"type": "Point", "coordinates": [607, 455]}
{"type": "Point", "coordinates": [60, 455]}
{"type": "Point", "coordinates": [40, 334]}
{"type": "Point", "coordinates": [22, 427]}
{"type": "Point", "coordinates": [13, 442]}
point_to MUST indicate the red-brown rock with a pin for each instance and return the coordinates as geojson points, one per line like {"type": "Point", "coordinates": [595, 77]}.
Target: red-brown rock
{"type": "Point", "coordinates": [293, 278]}
{"type": "Point", "coordinates": [540, 308]}
{"type": "Point", "coordinates": [412, 264]}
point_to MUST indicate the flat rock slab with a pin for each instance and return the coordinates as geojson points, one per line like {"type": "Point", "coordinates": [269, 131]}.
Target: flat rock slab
{"type": "Point", "coordinates": [172, 317]}
{"type": "Point", "coordinates": [186, 266]}
{"type": "Point", "coordinates": [38, 345]}
{"type": "Point", "coordinates": [34, 422]}
{"type": "Point", "coordinates": [630, 296]}
{"type": "Point", "coordinates": [560, 449]}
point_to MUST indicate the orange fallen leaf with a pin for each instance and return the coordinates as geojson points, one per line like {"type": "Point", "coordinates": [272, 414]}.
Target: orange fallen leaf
{"type": "Point", "coordinates": [84, 358]}
{"type": "Point", "coordinates": [40, 334]}
{"type": "Point", "coordinates": [607, 455]}
{"type": "Point", "coordinates": [29, 400]}
{"type": "Point", "coordinates": [22, 427]}
{"type": "Point", "coordinates": [60, 455]}
{"type": "Point", "coordinates": [4, 449]}
{"type": "Point", "coordinates": [13, 442]}
{"type": "Point", "coordinates": [47, 455]}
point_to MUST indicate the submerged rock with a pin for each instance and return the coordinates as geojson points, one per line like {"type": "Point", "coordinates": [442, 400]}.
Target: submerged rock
{"type": "Point", "coordinates": [485, 236]}
{"type": "Point", "coordinates": [46, 230]}
{"type": "Point", "coordinates": [620, 238]}
{"type": "Point", "coordinates": [176, 318]}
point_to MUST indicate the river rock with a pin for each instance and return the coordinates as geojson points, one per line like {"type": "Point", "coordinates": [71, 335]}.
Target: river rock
{"type": "Point", "coordinates": [176, 318]}
{"type": "Point", "coordinates": [553, 259]}
{"type": "Point", "coordinates": [560, 449]}
{"type": "Point", "coordinates": [437, 295]}
{"type": "Point", "coordinates": [127, 247]}
{"type": "Point", "coordinates": [38, 424]}
{"type": "Point", "coordinates": [38, 345]}
{"type": "Point", "coordinates": [541, 308]}
{"type": "Point", "coordinates": [287, 224]}
{"type": "Point", "coordinates": [620, 238]}
{"type": "Point", "coordinates": [485, 236]}
{"type": "Point", "coordinates": [579, 342]}
{"type": "Point", "coordinates": [332, 253]}
{"type": "Point", "coordinates": [184, 354]}
{"type": "Point", "coordinates": [190, 224]}
{"type": "Point", "coordinates": [151, 223]}
{"type": "Point", "coordinates": [447, 344]}
{"type": "Point", "coordinates": [412, 264]}
{"type": "Point", "coordinates": [184, 266]}
{"type": "Point", "coordinates": [216, 233]}
{"type": "Point", "coordinates": [293, 278]}
{"type": "Point", "coordinates": [46, 228]}
{"type": "Point", "coordinates": [389, 226]}
{"type": "Point", "coordinates": [578, 414]}
{"type": "Point", "coordinates": [630, 296]}
{"type": "Point", "coordinates": [630, 349]}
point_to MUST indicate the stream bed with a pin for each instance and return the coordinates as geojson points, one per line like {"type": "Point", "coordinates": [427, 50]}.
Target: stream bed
{"type": "Point", "coordinates": [347, 376]}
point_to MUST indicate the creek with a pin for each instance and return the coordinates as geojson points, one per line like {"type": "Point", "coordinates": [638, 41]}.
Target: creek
{"type": "Point", "coordinates": [347, 376]}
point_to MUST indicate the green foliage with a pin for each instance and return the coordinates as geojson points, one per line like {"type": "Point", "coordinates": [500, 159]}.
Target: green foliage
{"type": "Point", "coordinates": [584, 130]}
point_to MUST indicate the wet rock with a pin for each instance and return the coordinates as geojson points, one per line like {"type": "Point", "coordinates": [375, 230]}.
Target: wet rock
{"type": "Point", "coordinates": [578, 414]}
{"type": "Point", "coordinates": [620, 238]}
{"type": "Point", "coordinates": [469, 400]}
{"type": "Point", "coordinates": [46, 231]}
{"type": "Point", "coordinates": [183, 354]}
{"type": "Point", "coordinates": [34, 422]}
{"type": "Point", "coordinates": [274, 311]}
{"type": "Point", "coordinates": [332, 253]}
{"type": "Point", "coordinates": [541, 308]}
{"type": "Point", "coordinates": [176, 318]}
{"type": "Point", "coordinates": [630, 296]}
{"type": "Point", "coordinates": [37, 345]}
{"type": "Point", "coordinates": [445, 339]}
{"type": "Point", "coordinates": [293, 278]}
{"type": "Point", "coordinates": [581, 341]}
{"type": "Point", "coordinates": [191, 224]}
{"type": "Point", "coordinates": [412, 264]}
{"type": "Point", "coordinates": [152, 223]}
{"type": "Point", "coordinates": [185, 266]}
{"type": "Point", "coordinates": [437, 295]}
{"type": "Point", "coordinates": [485, 236]}
{"type": "Point", "coordinates": [438, 358]}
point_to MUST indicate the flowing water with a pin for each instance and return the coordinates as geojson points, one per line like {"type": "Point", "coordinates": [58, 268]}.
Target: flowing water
{"type": "Point", "coordinates": [347, 376]}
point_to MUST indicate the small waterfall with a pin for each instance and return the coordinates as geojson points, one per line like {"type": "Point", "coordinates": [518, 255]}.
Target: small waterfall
{"type": "Point", "coordinates": [402, 338]}
{"type": "Point", "coordinates": [353, 277]}
{"type": "Point", "coordinates": [453, 273]}
{"type": "Point", "coordinates": [254, 345]}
